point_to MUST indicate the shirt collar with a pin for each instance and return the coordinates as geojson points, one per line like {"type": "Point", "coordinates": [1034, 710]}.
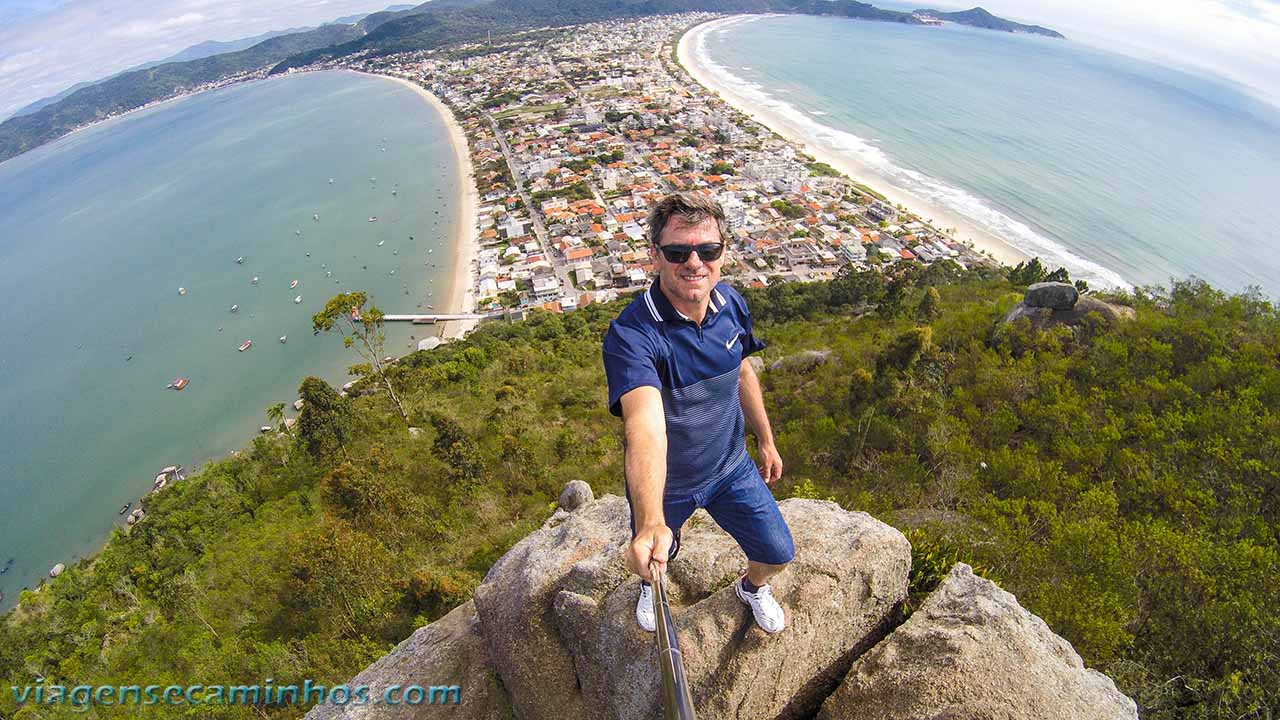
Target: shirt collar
{"type": "Point", "coordinates": [662, 310]}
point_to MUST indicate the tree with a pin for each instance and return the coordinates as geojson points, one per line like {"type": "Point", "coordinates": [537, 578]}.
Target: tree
{"type": "Point", "coordinates": [929, 309]}
{"type": "Point", "coordinates": [362, 329]}
{"type": "Point", "coordinates": [322, 422]}
{"type": "Point", "coordinates": [275, 415]}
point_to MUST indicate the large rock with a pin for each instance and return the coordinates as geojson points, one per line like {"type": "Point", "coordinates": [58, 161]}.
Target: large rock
{"type": "Point", "coordinates": [449, 651]}
{"type": "Point", "coordinates": [559, 613]}
{"type": "Point", "coordinates": [575, 494]}
{"type": "Point", "coordinates": [1052, 295]}
{"type": "Point", "coordinates": [971, 651]}
{"type": "Point", "coordinates": [516, 604]}
{"type": "Point", "coordinates": [1044, 317]}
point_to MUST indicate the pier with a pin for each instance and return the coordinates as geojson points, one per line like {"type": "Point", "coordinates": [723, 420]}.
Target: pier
{"type": "Point", "coordinates": [433, 318]}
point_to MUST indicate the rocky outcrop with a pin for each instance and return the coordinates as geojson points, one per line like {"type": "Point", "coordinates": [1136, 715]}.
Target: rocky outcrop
{"type": "Point", "coordinates": [552, 634]}
{"type": "Point", "coordinates": [1052, 295]}
{"type": "Point", "coordinates": [803, 361]}
{"type": "Point", "coordinates": [1054, 303]}
{"type": "Point", "coordinates": [971, 651]}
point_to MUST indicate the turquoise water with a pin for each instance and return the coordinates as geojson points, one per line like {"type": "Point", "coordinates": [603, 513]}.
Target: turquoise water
{"type": "Point", "coordinates": [1121, 170]}
{"type": "Point", "coordinates": [101, 229]}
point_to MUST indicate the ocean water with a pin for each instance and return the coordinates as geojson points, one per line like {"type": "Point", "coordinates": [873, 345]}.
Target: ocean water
{"type": "Point", "coordinates": [1125, 172]}
{"type": "Point", "coordinates": [99, 230]}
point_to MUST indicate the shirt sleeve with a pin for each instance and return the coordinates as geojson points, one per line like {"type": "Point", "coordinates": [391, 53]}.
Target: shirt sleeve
{"type": "Point", "coordinates": [750, 343]}
{"type": "Point", "coordinates": [630, 361]}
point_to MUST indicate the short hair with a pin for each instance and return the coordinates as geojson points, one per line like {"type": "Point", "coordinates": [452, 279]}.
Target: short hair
{"type": "Point", "coordinates": [691, 209]}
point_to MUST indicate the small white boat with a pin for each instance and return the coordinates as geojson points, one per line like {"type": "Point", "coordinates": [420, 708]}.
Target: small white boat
{"type": "Point", "coordinates": [254, 281]}
{"type": "Point", "coordinates": [293, 284]}
{"type": "Point", "coordinates": [329, 274]}
{"type": "Point", "coordinates": [235, 308]}
{"type": "Point", "coordinates": [245, 345]}
{"type": "Point", "coordinates": [264, 429]}
{"type": "Point", "coordinates": [393, 192]}
{"type": "Point", "coordinates": [373, 179]}
{"type": "Point", "coordinates": [283, 338]}
{"type": "Point", "coordinates": [430, 250]}
{"type": "Point", "coordinates": [393, 272]}
{"type": "Point", "coordinates": [373, 218]}
{"type": "Point", "coordinates": [240, 261]}
{"type": "Point", "coordinates": [315, 216]}
{"type": "Point", "coordinates": [297, 232]}
{"type": "Point", "coordinates": [330, 181]}
{"type": "Point", "coordinates": [380, 243]}
{"type": "Point", "coordinates": [395, 252]}
{"type": "Point", "coordinates": [297, 299]}
{"type": "Point", "coordinates": [182, 291]}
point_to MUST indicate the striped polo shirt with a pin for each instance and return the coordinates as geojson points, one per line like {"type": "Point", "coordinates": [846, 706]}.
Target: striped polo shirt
{"type": "Point", "coordinates": [696, 369]}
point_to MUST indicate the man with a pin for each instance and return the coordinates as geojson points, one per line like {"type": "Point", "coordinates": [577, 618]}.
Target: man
{"type": "Point", "coordinates": [676, 363]}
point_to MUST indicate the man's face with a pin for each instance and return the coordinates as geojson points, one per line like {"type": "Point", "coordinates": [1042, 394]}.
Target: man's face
{"type": "Point", "coordinates": [692, 280]}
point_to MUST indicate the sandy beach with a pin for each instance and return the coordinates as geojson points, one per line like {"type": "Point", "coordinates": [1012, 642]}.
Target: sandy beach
{"type": "Point", "coordinates": [461, 298]}
{"type": "Point", "coordinates": [850, 165]}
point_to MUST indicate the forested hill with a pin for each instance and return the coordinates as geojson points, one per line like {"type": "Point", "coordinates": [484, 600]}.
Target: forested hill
{"type": "Point", "coordinates": [980, 18]}
{"type": "Point", "coordinates": [1119, 478]}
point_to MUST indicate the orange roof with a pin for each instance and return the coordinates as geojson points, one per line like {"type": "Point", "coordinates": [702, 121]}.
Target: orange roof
{"type": "Point", "coordinates": [596, 210]}
{"type": "Point", "coordinates": [578, 254]}
{"type": "Point", "coordinates": [596, 227]}
{"type": "Point", "coordinates": [553, 306]}
{"type": "Point", "coordinates": [906, 254]}
{"type": "Point", "coordinates": [490, 233]}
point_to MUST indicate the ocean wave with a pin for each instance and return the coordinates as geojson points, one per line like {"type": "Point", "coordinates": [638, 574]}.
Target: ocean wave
{"type": "Point", "coordinates": [916, 184]}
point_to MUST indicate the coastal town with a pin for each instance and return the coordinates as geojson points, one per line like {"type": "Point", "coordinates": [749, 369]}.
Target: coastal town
{"type": "Point", "coordinates": [572, 135]}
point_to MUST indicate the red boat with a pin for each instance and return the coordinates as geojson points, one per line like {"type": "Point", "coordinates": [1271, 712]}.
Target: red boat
{"type": "Point", "coordinates": [245, 345]}
{"type": "Point", "coordinates": [179, 383]}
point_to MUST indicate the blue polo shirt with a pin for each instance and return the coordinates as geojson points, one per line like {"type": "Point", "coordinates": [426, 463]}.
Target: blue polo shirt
{"type": "Point", "coordinates": [696, 369]}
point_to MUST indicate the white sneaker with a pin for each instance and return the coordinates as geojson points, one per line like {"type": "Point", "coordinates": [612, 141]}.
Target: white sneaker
{"type": "Point", "coordinates": [644, 608]}
{"type": "Point", "coordinates": [767, 611]}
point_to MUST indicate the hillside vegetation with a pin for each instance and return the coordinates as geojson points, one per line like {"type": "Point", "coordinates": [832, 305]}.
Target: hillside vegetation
{"type": "Point", "coordinates": [1120, 480]}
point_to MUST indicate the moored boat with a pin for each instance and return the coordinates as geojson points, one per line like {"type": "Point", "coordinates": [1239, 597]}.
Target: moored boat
{"type": "Point", "coordinates": [283, 338]}
{"type": "Point", "coordinates": [235, 308]}
{"type": "Point", "coordinates": [293, 284]}
{"type": "Point", "coordinates": [245, 345]}
{"type": "Point", "coordinates": [178, 383]}
{"type": "Point", "coordinates": [182, 291]}
{"type": "Point", "coordinates": [124, 508]}
{"type": "Point", "coordinates": [297, 299]}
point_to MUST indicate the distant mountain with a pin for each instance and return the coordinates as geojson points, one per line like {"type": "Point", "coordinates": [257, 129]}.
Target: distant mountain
{"type": "Point", "coordinates": [205, 49]}
{"type": "Point", "coordinates": [978, 17]}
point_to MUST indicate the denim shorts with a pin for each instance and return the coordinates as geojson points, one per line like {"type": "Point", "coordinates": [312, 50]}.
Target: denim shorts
{"type": "Point", "coordinates": [743, 506]}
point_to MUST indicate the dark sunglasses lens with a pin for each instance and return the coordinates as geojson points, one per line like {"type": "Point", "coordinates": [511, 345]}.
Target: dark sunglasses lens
{"type": "Point", "coordinates": [710, 252]}
{"type": "Point", "coordinates": [676, 254]}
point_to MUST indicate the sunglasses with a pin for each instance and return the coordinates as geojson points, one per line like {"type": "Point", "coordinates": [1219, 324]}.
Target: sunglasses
{"type": "Point", "coordinates": [679, 254]}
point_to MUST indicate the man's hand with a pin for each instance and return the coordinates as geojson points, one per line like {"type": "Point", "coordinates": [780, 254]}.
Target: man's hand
{"type": "Point", "coordinates": [770, 463]}
{"type": "Point", "coordinates": [651, 544]}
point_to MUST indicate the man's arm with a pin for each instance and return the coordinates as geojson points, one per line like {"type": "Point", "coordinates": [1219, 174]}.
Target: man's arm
{"type": "Point", "coordinates": [752, 399]}
{"type": "Point", "coordinates": [645, 463]}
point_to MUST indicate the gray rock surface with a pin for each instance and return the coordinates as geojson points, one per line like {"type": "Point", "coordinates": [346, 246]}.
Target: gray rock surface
{"type": "Point", "coordinates": [838, 595]}
{"type": "Point", "coordinates": [1052, 295]}
{"type": "Point", "coordinates": [1044, 317]}
{"type": "Point", "coordinates": [516, 604]}
{"type": "Point", "coordinates": [757, 363]}
{"type": "Point", "coordinates": [802, 361]}
{"type": "Point", "coordinates": [574, 495]}
{"type": "Point", "coordinates": [971, 651]}
{"type": "Point", "coordinates": [449, 651]}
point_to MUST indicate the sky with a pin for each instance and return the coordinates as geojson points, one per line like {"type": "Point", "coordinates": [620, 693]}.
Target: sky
{"type": "Point", "coordinates": [49, 45]}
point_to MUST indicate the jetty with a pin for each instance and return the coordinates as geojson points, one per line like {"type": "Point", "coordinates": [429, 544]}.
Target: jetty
{"type": "Point", "coordinates": [434, 318]}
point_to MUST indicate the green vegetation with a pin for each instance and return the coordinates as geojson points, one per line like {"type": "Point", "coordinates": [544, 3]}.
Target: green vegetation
{"type": "Point", "coordinates": [822, 169]}
{"type": "Point", "coordinates": [1120, 480]}
{"type": "Point", "coordinates": [788, 210]}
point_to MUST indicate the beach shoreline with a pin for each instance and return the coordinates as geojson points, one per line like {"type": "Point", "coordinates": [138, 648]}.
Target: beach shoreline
{"type": "Point", "coordinates": [966, 230]}
{"type": "Point", "coordinates": [461, 294]}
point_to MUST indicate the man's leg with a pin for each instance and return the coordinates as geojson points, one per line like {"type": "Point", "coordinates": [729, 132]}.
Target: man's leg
{"type": "Point", "coordinates": [675, 511]}
{"type": "Point", "coordinates": [746, 509]}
